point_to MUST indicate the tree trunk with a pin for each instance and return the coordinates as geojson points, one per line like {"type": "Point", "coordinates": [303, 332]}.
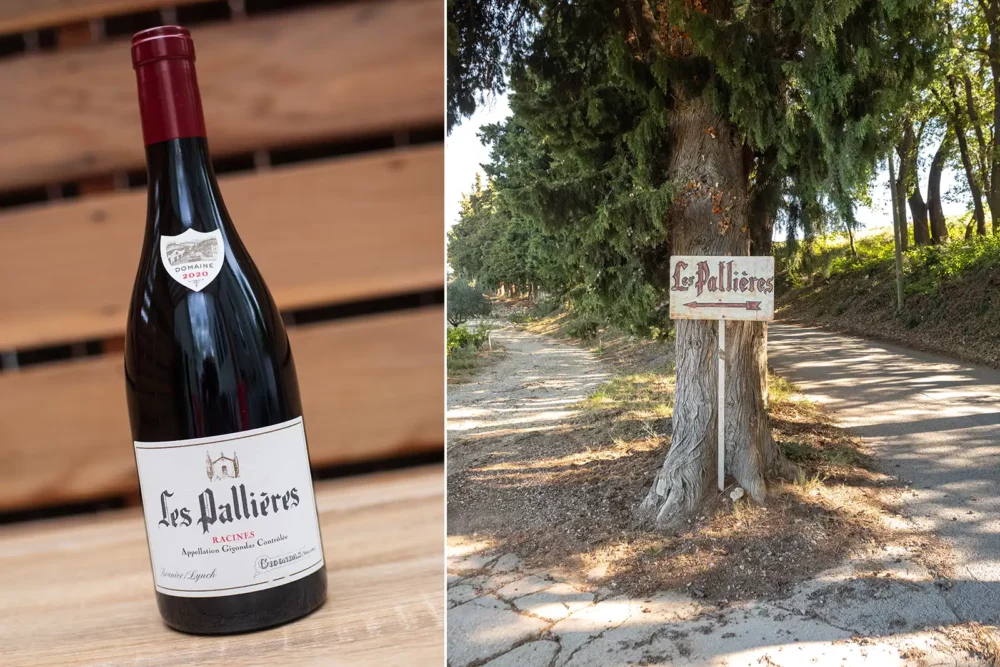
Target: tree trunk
{"type": "Point", "coordinates": [904, 230]}
{"type": "Point", "coordinates": [904, 149]}
{"type": "Point", "coordinates": [897, 246]}
{"type": "Point", "coordinates": [921, 231]}
{"type": "Point", "coordinates": [979, 215]}
{"type": "Point", "coordinates": [921, 226]}
{"type": "Point", "coordinates": [981, 154]}
{"type": "Point", "coordinates": [710, 165]}
{"type": "Point", "coordinates": [939, 230]}
{"type": "Point", "coordinates": [994, 148]}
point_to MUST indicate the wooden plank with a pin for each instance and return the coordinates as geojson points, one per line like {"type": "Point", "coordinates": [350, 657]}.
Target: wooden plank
{"type": "Point", "coordinates": [74, 35]}
{"type": "Point", "coordinates": [20, 16]}
{"type": "Point", "coordinates": [320, 232]}
{"type": "Point", "coordinates": [372, 388]}
{"type": "Point", "coordinates": [277, 80]}
{"type": "Point", "coordinates": [382, 538]}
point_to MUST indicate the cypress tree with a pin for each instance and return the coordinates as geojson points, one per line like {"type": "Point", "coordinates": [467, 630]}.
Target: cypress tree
{"type": "Point", "coordinates": [679, 127]}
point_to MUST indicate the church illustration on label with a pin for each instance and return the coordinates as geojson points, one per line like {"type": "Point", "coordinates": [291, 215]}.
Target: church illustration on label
{"type": "Point", "coordinates": [223, 467]}
{"type": "Point", "coordinates": [185, 252]}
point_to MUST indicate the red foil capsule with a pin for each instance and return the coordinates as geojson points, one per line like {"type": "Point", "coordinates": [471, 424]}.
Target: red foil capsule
{"type": "Point", "coordinates": [169, 103]}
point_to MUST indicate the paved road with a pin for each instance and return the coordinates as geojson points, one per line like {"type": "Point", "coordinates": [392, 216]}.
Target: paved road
{"type": "Point", "coordinates": [933, 422]}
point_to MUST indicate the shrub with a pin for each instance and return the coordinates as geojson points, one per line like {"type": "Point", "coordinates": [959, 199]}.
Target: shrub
{"type": "Point", "coordinates": [545, 307]}
{"type": "Point", "coordinates": [466, 302]}
{"type": "Point", "coordinates": [583, 326]}
{"type": "Point", "coordinates": [461, 338]}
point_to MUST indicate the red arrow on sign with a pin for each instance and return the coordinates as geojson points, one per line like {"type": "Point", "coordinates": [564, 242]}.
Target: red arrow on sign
{"type": "Point", "coordinates": [749, 305]}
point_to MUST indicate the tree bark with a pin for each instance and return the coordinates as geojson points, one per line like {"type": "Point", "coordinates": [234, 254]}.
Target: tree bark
{"type": "Point", "coordinates": [994, 148]}
{"type": "Point", "coordinates": [921, 230]}
{"type": "Point", "coordinates": [897, 246]}
{"type": "Point", "coordinates": [710, 217]}
{"type": "Point", "coordinates": [904, 149]}
{"type": "Point", "coordinates": [979, 215]}
{"type": "Point", "coordinates": [921, 226]}
{"type": "Point", "coordinates": [981, 154]}
{"type": "Point", "coordinates": [939, 230]}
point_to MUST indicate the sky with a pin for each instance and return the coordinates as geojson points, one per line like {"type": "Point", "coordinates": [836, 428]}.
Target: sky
{"type": "Point", "coordinates": [464, 154]}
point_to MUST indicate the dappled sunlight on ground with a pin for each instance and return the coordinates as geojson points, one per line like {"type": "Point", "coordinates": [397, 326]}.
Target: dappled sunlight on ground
{"type": "Point", "coordinates": [547, 567]}
{"type": "Point", "coordinates": [935, 423]}
{"type": "Point", "coordinates": [564, 493]}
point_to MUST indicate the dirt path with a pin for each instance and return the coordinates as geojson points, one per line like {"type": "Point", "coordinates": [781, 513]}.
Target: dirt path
{"type": "Point", "coordinates": [933, 422]}
{"type": "Point", "coordinates": [884, 612]}
{"type": "Point", "coordinates": [530, 390]}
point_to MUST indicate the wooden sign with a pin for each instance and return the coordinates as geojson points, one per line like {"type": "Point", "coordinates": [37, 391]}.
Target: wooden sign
{"type": "Point", "coordinates": [721, 288]}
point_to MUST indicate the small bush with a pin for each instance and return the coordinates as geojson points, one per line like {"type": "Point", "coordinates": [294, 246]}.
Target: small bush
{"type": "Point", "coordinates": [466, 302]}
{"type": "Point", "coordinates": [520, 318]}
{"type": "Point", "coordinates": [545, 307]}
{"type": "Point", "coordinates": [584, 327]}
{"type": "Point", "coordinates": [461, 338]}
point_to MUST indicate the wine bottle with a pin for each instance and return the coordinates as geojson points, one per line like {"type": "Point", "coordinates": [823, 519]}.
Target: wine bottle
{"type": "Point", "coordinates": [213, 400]}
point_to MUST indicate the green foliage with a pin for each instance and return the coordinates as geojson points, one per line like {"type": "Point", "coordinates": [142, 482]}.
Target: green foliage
{"type": "Point", "coordinates": [545, 307]}
{"type": "Point", "coordinates": [479, 35]}
{"type": "Point", "coordinates": [580, 194]}
{"type": "Point", "coordinates": [496, 247]}
{"type": "Point", "coordinates": [926, 269]}
{"type": "Point", "coordinates": [466, 302]}
{"type": "Point", "coordinates": [582, 326]}
{"type": "Point", "coordinates": [461, 338]}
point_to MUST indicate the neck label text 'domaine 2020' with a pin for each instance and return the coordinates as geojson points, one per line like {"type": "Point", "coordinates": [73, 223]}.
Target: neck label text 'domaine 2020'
{"type": "Point", "coordinates": [194, 259]}
{"type": "Point", "coordinates": [230, 514]}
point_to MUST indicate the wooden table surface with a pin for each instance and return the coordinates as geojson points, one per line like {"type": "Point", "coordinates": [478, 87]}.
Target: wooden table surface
{"type": "Point", "coordinates": [78, 591]}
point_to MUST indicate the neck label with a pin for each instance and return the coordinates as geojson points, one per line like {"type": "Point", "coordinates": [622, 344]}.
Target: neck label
{"type": "Point", "coordinates": [194, 259]}
{"type": "Point", "coordinates": [230, 514]}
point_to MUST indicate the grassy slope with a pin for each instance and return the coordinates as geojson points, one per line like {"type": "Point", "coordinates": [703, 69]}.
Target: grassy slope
{"type": "Point", "coordinates": [952, 301]}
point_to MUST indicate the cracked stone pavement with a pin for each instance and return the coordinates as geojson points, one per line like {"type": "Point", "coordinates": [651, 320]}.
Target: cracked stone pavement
{"type": "Point", "coordinates": [502, 614]}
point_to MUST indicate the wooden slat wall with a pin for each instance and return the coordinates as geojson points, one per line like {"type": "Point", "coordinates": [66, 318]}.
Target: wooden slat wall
{"type": "Point", "coordinates": [25, 15]}
{"type": "Point", "coordinates": [372, 388]}
{"type": "Point", "coordinates": [320, 232]}
{"type": "Point", "coordinates": [353, 228]}
{"type": "Point", "coordinates": [276, 80]}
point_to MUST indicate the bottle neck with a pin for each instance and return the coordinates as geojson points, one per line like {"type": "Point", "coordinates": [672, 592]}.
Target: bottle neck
{"type": "Point", "coordinates": [183, 192]}
{"type": "Point", "coordinates": [169, 101]}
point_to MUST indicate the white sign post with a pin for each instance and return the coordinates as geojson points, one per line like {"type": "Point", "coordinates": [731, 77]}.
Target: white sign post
{"type": "Point", "coordinates": [704, 287]}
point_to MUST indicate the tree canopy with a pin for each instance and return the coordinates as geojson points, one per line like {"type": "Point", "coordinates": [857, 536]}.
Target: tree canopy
{"type": "Point", "coordinates": [582, 165]}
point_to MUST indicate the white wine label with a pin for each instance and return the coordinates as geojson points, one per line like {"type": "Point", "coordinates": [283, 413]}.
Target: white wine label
{"type": "Point", "coordinates": [193, 259]}
{"type": "Point", "coordinates": [230, 514]}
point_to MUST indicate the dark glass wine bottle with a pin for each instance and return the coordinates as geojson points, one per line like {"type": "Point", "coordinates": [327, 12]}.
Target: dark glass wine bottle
{"type": "Point", "coordinates": [213, 399]}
